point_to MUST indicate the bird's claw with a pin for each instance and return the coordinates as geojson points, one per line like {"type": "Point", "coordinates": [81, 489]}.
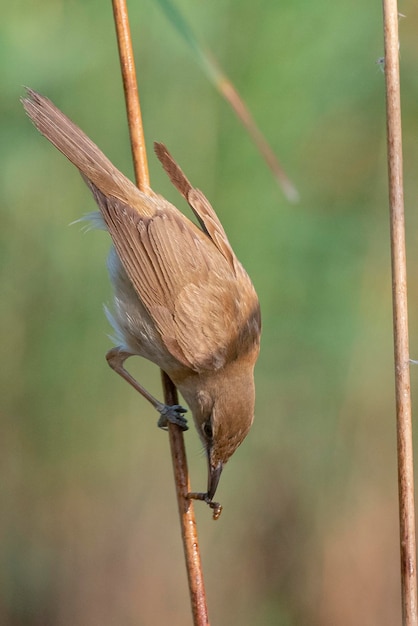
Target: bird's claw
{"type": "Point", "coordinates": [173, 415]}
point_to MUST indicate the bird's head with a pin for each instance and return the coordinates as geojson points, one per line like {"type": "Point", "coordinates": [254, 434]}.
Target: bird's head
{"type": "Point", "coordinates": [222, 404]}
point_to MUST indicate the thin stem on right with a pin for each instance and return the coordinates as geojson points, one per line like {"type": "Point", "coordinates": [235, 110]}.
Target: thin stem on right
{"type": "Point", "coordinates": [400, 318]}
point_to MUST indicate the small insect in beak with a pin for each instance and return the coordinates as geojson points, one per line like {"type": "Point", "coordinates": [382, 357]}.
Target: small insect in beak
{"type": "Point", "coordinates": [214, 475]}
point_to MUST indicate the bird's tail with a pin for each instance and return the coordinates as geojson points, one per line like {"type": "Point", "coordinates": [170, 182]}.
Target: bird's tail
{"type": "Point", "coordinates": [79, 149]}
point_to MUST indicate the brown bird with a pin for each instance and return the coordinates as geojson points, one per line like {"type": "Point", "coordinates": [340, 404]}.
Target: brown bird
{"type": "Point", "coordinates": [181, 297]}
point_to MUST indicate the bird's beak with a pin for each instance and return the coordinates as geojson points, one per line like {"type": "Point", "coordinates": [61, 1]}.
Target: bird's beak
{"type": "Point", "coordinates": [215, 472]}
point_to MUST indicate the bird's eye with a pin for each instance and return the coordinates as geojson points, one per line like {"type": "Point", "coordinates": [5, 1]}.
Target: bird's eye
{"type": "Point", "coordinates": [207, 429]}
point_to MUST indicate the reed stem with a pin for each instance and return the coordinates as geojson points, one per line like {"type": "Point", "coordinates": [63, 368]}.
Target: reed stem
{"type": "Point", "coordinates": [400, 317]}
{"type": "Point", "coordinates": [178, 453]}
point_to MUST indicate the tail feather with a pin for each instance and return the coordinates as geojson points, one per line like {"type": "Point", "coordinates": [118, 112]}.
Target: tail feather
{"type": "Point", "coordinates": [79, 149]}
{"type": "Point", "coordinates": [173, 170]}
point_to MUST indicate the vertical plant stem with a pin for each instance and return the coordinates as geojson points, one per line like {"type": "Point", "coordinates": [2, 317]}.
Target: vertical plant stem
{"type": "Point", "coordinates": [130, 86]}
{"type": "Point", "coordinates": [181, 477]}
{"type": "Point", "coordinates": [186, 512]}
{"type": "Point", "coordinates": [400, 317]}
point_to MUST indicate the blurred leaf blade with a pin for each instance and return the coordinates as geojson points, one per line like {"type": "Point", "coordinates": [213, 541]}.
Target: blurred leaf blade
{"type": "Point", "coordinates": [229, 92]}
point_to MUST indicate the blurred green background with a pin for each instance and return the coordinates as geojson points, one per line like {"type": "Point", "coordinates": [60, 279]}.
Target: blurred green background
{"type": "Point", "coordinates": [88, 525]}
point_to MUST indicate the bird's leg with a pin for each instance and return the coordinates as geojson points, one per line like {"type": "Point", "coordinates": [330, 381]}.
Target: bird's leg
{"type": "Point", "coordinates": [174, 414]}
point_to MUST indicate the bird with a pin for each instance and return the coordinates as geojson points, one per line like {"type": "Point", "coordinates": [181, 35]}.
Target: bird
{"type": "Point", "coordinates": [182, 300]}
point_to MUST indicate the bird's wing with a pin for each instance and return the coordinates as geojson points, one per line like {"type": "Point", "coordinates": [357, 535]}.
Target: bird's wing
{"type": "Point", "coordinates": [191, 283]}
{"type": "Point", "coordinates": [186, 285]}
{"type": "Point", "coordinates": [198, 202]}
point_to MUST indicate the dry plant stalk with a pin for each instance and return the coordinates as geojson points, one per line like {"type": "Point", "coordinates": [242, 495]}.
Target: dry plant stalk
{"type": "Point", "coordinates": [186, 510]}
{"type": "Point", "coordinates": [130, 86]}
{"type": "Point", "coordinates": [400, 318]}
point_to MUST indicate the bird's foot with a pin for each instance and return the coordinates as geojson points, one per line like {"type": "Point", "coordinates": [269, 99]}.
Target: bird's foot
{"type": "Point", "coordinates": [173, 415]}
{"type": "Point", "coordinates": [217, 508]}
